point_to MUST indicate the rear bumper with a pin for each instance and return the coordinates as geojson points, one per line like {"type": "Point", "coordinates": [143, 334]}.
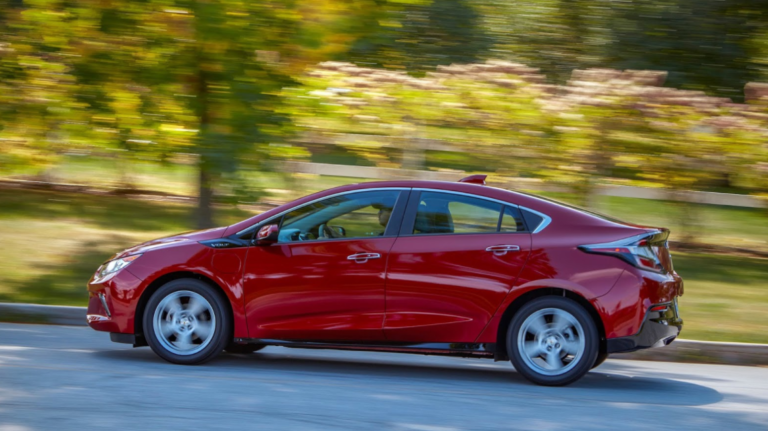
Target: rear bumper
{"type": "Point", "coordinates": [659, 329]}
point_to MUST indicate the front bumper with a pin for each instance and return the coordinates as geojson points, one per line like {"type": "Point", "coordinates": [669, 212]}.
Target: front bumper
{"type": "Point", "coordinates": [659, 329]}
{"type": "Point", "coordinates": [111, 303]}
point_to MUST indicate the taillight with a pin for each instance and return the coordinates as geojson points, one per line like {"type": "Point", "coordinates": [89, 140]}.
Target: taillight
{"type": "Point", "coordinates": [647, 251]}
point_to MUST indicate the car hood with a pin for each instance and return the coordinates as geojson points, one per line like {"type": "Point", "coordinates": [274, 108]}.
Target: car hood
{"type": "Point", "coordinates": [172, 241]}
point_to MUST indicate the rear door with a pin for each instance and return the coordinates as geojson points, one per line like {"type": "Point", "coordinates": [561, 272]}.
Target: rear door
{"type": "Point", "coordinates": [455, 260]}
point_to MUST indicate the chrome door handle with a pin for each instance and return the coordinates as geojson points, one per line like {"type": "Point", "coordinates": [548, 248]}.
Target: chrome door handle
{"type": "Point", "coordinates": [501, 250]}
{"type": "Point", "coordinates": [363, 257]}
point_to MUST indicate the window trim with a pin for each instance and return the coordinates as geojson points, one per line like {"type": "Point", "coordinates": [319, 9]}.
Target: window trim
{"type": "Point", "coordinates": [414, 193]}
{"type": "Point", "coordinates": [397, 212]}
{"type": "Point", "coordinates": [544, 223]}
{"type": "Point", "coordinates": [409, 215]}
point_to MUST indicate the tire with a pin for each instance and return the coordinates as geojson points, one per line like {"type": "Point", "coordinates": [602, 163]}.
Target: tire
{"type": "Point", "coordinates": [552, 341]}
{"type": "Point", "coordinates": [187, 322]}
{"type": "Point", "coordinates": [243, 348]}
{"type": "Point", "coordinates": [601, 357]}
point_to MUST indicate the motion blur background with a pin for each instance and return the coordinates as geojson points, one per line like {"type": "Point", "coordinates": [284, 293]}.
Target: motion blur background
{"type": "Point", "coordinates": [126, 120]}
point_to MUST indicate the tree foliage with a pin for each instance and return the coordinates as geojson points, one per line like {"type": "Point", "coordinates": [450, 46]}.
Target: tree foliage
{"type": "Point", "coordinates": [161, 76]}
{"type": "Point", "coordinates": [604, 124]}
{"type": "Point", "coordinates": [227, 81]}
{"type": "Point", "coordinates": [417, 35]}
{"type": "Point", "coordinates": [709, 45]}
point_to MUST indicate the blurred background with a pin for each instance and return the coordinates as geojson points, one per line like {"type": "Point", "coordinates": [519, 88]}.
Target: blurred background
{"type": "Point", "coordinates": [122, 121]}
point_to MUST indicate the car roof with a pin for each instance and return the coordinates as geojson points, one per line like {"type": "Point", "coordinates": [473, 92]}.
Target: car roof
{"type": "Point", "coordinates": [543, 205]}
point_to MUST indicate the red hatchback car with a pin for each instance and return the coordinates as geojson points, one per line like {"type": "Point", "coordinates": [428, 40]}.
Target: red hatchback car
{"type": "Point", "coordinates": [405, 266]}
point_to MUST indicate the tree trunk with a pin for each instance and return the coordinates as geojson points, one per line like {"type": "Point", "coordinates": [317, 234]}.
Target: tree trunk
{"type": "Point", "coordinates": [204, 216]}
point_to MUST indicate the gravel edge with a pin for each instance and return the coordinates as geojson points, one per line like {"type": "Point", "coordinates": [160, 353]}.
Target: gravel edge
{"type": "Point", "coordinates": [709, 352]}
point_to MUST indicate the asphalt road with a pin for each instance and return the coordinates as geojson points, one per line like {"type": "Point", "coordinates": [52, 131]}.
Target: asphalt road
{"type": "Point", "coordinates": [71, 378]}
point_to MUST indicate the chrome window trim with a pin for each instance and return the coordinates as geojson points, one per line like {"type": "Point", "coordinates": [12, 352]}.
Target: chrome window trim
{"type": "Point", "coordinates": [318, 200]}
{"type": "Point", "coordinates": [545, 222]}
{"type": "Point", "coordinates": [547, 219]}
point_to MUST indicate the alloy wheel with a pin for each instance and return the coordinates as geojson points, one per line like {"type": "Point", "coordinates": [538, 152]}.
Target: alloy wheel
{"type": "Point", "coordinates": [184, 322]}
{"type": "Point", "coordinates": [551, 341]}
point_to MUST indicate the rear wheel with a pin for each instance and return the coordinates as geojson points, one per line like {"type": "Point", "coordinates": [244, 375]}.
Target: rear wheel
{"type": "Point", "coordinates": [187, 322]}
{"type": "Point", "coordinates": [552, 341]}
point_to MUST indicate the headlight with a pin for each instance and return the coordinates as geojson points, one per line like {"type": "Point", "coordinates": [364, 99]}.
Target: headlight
{"type": "Point", "coordinates": [113, 266]}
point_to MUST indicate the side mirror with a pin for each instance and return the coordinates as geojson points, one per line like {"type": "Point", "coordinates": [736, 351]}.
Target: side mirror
{"type": "Point", "coordinates": [267, 234]}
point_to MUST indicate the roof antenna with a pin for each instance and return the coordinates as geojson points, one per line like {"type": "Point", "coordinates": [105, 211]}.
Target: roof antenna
{"type": "Point", "coordinates": [474, 179]}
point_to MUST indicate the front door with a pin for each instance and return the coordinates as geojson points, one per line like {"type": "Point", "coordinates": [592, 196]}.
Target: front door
{"type": "Point", "coordinates": [324, 278]}
{"type": "Point", "coordinates": [456, 259]}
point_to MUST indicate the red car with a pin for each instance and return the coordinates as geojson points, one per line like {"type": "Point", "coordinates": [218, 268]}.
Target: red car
{"type": "Point", "coordinates": [403, 266]}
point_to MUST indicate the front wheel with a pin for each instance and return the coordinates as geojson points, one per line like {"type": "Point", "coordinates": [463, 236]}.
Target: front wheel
{"type": "Point", "coordinates": [601, 357]}
{"type": "Point", "coordinates": [187, 322]}
{"type": "Point", "coordinates": [552, 341]}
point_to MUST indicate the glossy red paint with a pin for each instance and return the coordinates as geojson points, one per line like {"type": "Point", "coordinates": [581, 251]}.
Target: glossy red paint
{"type": "Point", "coordinates": [445, 288]}
{"type": "Point", "coordinates": [121, 295]}
{"type": "Point", "coordinates": [437, 288]}
{"type": "Point", "coordinates": [176, 256]}
{"type": "Point", "coordinates": [625, 306]}
{"type": "Point", "coordinates": [312, 291]}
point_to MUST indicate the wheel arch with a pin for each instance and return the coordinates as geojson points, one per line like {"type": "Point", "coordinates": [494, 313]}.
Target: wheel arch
{"type": "Point", "coordinates": [162, 280]}
{"type": "Point", "coordinates": [509, 313]}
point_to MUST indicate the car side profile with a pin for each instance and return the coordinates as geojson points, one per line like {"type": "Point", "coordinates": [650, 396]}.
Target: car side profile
{"type": "Point", "coordinates": [422, 267]}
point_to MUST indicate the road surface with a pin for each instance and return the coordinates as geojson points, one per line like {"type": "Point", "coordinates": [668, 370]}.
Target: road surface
{"type": "Point", "coordinates": [73, 378]}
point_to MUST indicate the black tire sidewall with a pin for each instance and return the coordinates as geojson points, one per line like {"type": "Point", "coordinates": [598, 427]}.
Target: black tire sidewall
{"type": "Point", "coordinates": [591, 347]}
{"type": "Point", "coordinates": [601, 357]}
{"type": "Point", "coordinates": [222, 331]}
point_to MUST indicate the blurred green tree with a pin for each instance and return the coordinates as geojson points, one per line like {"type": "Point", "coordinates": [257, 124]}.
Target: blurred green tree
{"type": "Point", "coordinates": [710, 45]}
{"type": "Point", "coordinates": [187, 75]}
{"type": "Point", "coordinates": [224, 80]}
{"type": "Point", "coordinates": [703, 44]}
{"type": "Point", "coordinates": [417, 35]}
{"type": "Point", "coordinates": [36, 108]}
{"type": "Point", "coordinates": [203, 76]}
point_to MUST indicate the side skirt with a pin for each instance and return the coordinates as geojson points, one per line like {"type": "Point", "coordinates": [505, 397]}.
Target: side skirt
{"type": "Point", "coordinates": [465, 350]}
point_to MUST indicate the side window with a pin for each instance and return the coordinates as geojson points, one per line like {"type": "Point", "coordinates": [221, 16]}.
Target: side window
{"type": "Point", "coordinates": [512, 221]}
{"type": "Point", "coordinates": [532, 220]}
{"type": "Point", "coordinates": [441, 213]}
{"type": "Point", "coordinates": [352, 215]}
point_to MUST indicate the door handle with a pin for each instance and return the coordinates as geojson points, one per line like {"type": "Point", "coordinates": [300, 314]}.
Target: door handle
{"type": "Point", "coordinates": [363, 257]}
{"type": "Point", "coordinates": [501, 250]}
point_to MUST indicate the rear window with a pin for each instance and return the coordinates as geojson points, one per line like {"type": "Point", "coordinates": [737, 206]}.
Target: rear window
{"type": "Point", "coordinates": [449, 213]}
{"type": "Point", "coordinates": [441, 213]}
{"type": "Point", "coordinates": [512, 221]}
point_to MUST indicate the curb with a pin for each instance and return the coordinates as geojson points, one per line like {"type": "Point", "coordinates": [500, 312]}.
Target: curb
{"type": "Point", "coordinates": [50, 314]}
{"type": "Point", "coordinates": [708, 352]}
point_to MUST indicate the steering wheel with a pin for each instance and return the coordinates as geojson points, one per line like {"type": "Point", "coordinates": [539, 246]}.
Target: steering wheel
{"type": "Point", "coordinates": [322, 232]}
{"type": "Point", "coordinates": [325, 232]}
